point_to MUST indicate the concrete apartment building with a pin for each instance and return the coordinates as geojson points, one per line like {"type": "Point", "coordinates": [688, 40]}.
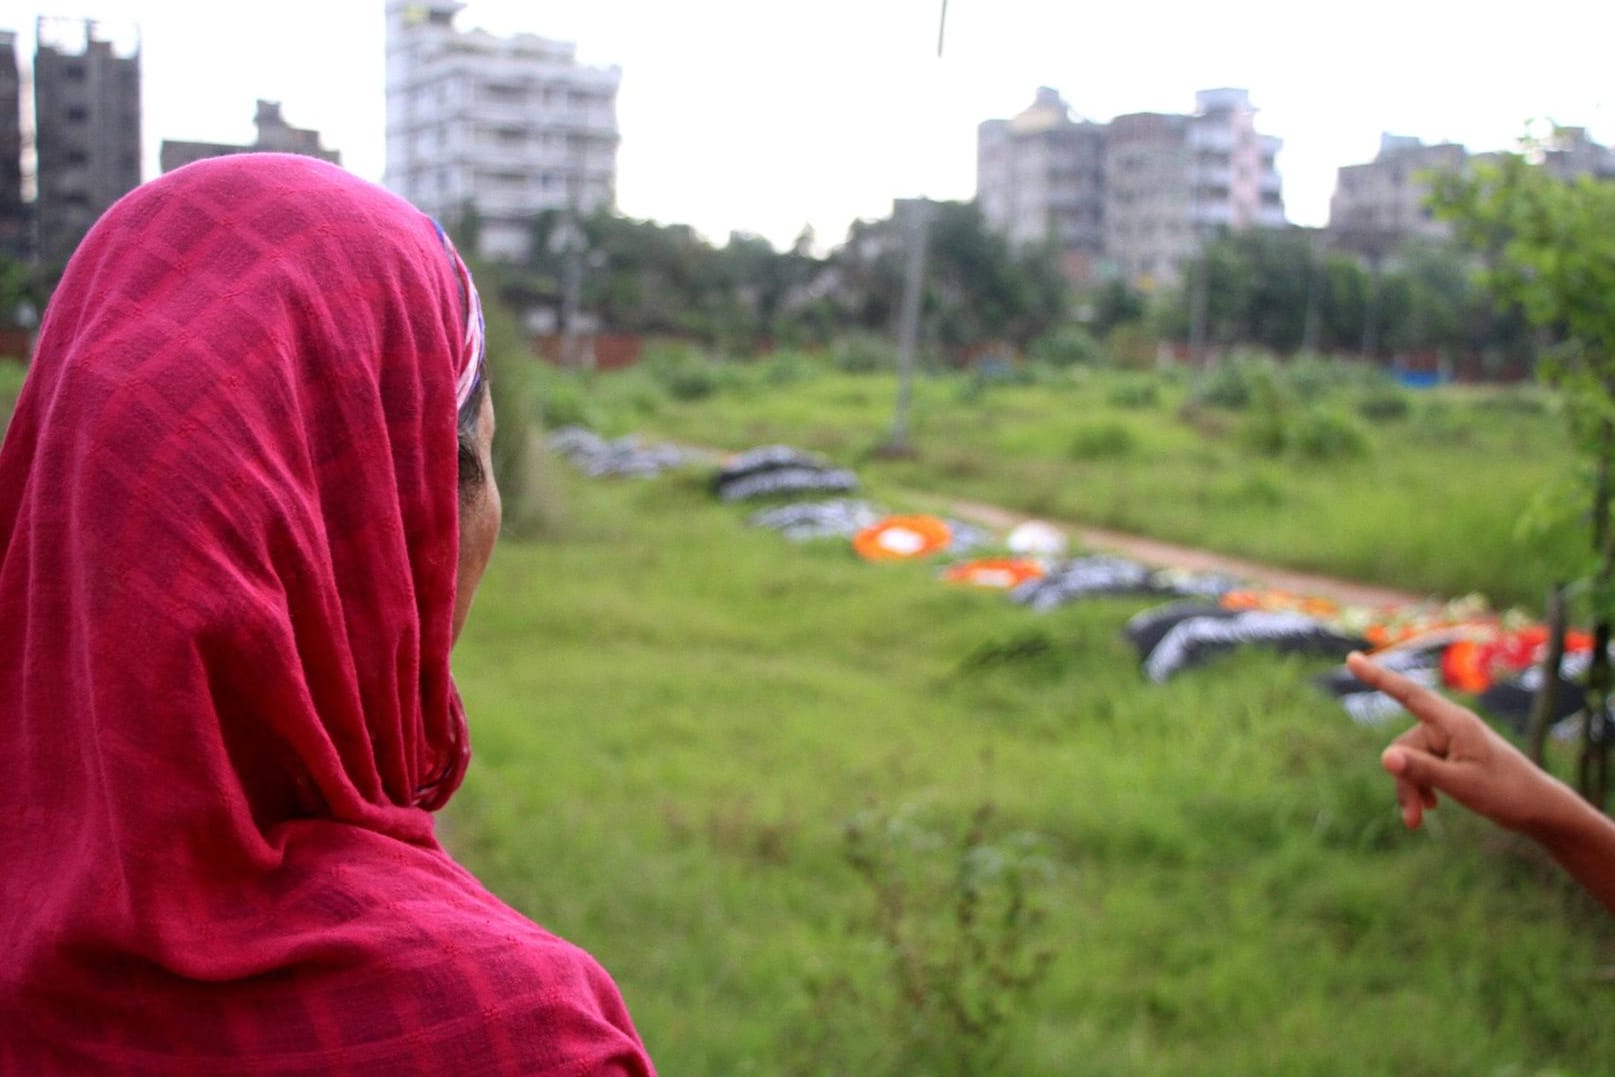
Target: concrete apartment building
{"type": "Point", "coordinates": [1172, 181]}
{"type": "Point", "coordinates": [14, 230]}
{"type": "Point", "coordinates": [1569, 152]}
{"type": "Point", "coordinates": [87, 129]}
{"type": "Point", "coordinates": [1380, 205]}
{"type": "Point", "coordinates": [507, 126]}
{"type": "Point", "coordinates": [1134, 197]}
{"type": "Point", "coordinates": [1040, 179]}
{"type": "Point", "coordinates": [275, 135]}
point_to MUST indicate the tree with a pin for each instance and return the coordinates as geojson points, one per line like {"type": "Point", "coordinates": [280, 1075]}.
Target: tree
{"type": "Point", "coordinates": [1549, 247]}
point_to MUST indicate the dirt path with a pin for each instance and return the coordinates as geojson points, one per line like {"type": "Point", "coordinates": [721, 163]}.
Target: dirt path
{"type": "Point", "coordinates": [1166, 555]}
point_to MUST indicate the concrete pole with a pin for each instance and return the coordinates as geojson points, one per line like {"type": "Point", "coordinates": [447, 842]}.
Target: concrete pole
{"type": "Point", "coordinates": [908, 325]}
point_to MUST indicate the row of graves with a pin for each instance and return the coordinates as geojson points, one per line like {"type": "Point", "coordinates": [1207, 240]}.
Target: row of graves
{"type": "Point", "coordinates": [1460, 645]}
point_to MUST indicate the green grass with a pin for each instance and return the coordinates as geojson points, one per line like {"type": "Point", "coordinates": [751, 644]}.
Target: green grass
{"type": "Point", "coordinates": [675, 716]}
{"type": "Point", "coordinates": [1430, 502]}
{"type": "Point", "coordinates": [12, 372]}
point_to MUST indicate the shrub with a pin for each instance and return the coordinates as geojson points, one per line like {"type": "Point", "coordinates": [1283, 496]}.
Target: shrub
{"type": "Point", "coordinates": [1439, 423]}
{"type": "Point", "coordinates": [1313, 377]}
{"type": "Point", "coordinates": [1517, 400]}
{"type": "Point", "coordinates": [1098, 441]}
{"type": "Point", "coordinates": [684, 373]}
{"type": "Point", "coordinates": [1134, 392]}
{"type": "Point", "coordinates": [564, 401]}
{"type": "Point", "coordinates": [1066, 346]}
{"type": "Point", "coordinates": [1323, 434]}
{"type": "Point", "coordinates": [864, 353]}
{"type": "Point", "coordinates": [1383, 403]}
{"type": "Point", "coordinates": [1133, 346]}
{"type": "Point", "coordinates": [1226, 385]}
{"type": "Point", "coordinates": [1267, 433]}
{"type": "Point", "coordinates": [789, 368]}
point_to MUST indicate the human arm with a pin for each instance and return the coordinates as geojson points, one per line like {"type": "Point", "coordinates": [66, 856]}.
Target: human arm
{"type": "Point", "coordinates": [1453, 751]}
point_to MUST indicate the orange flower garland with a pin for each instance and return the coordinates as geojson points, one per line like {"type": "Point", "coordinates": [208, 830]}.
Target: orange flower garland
{"type": "Point", "coordinates": [1001, 573]}
{"type": "Point", "coordinates": [900, 538]}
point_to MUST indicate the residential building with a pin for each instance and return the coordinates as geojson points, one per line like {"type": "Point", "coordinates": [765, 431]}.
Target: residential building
{"type": "Point", "coordinates": [1040, 179]}
{"type": "Point", "coordinates": [1134, 197]}
{"type": "Point", "coordinates": [275, 135]}
{"type": "Point", "coordinates": [1172, 181]}
{"type": "Point", "coordinates": [14, 239]}
{"type": "Point", "coordinates": [87, 128]}
{"type": "Point", "coordinates": [497, 129]}
{"type": "Point", "coordinates": [1570, 152]}
{"type": "Point", "coordinates": [1380, 205]}
{"type": "Point", "coordinates": [1148, 224]}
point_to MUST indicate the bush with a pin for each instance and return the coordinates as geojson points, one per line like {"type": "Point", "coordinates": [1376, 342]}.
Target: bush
{"type": "Point", "coordinates": [1442, 424]}
{"type": "Point", "coordinates": [1267, 433]}
{"type": "Point", "coordinates": [1314, 377]}
{"type": "Point", "coordinates": [864, 353]}
{"type": "Point", "coordinates": [1226, 385]}
{"type": "Point", "coordinates": [789, 368]}
{"type": "Point", "coordinates": [1323, 434]}
{"type": "Point", "coordinates": [1067, 346]}
{"type": "Point", "coordinates": [1133, 346]}
{"type": "Point", "coordinates": [566, 402]}
{"type": "Point", "coordinates": [1134, 392]}
{"type": "Point", "coordinates": [1099, 441]}
{"type": "Point", "coordinates": [683, 372]}
{"type": "Point", "coordinates": [1516, 400]}
{"type": "Point", "coordinates": [1384, 403]}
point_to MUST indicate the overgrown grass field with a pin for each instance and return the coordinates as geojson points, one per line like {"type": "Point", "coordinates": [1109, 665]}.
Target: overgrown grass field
{"type": "Point", "coordinates": [824, 817]}
{"type": "Point", "coordinates": [1313, 466]}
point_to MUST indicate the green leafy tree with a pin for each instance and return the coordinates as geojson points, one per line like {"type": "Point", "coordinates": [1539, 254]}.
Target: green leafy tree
{"type": "Point", "coordinates": [1549, 247]}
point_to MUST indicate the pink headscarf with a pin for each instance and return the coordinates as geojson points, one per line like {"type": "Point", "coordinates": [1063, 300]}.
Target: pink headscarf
{"type": "Point", "coordinates": [228, 545]}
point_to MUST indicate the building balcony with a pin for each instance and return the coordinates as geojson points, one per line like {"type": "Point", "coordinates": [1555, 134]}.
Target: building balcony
{"type": "Point", "coordinates": [530, 116]}
{"type": "Point", "coordinates": [1217, 138]}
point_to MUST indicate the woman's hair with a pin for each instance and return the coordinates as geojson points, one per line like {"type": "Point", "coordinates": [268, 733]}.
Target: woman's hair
{"type": "Point", "coordinates": [472, 475]}
{"type": "Point", "coordinates": [472, 387]}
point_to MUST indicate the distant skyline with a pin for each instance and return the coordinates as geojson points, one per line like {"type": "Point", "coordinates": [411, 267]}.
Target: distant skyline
{"type": "Point", "coordinates": [763, 117]}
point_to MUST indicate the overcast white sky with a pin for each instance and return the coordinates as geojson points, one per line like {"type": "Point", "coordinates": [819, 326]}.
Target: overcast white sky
{"type": "Point", "coordinates": [765, 115]}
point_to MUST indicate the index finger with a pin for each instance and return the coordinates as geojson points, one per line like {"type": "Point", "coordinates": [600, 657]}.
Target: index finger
{"type": "Point", "coordinates": [1425, 705]}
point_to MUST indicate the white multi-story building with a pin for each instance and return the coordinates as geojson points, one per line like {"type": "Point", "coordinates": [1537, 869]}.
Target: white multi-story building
{"type": "Point", "coordinates": [1134, 197]}
{"type": "Point", "coordinates": [1171, 181]}
{"type": "Point", "coordinates": [1040, 179]}
{"type": "Point", "coordinates": [502, 128]}
{"type": "Point", "coordinates": [1380, 205]}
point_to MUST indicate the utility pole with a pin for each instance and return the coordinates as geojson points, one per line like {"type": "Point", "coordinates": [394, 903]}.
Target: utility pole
{"type": "Point", "coordinates": [908, 323]}
{"type": "Point", "coordinates": [573, 244]}
{"type": "Point", "coordinates": [1199, 296]}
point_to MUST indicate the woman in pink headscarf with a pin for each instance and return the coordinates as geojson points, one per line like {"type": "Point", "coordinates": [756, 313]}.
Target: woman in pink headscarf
{"type": "Point", "coordinates": [245, 500]}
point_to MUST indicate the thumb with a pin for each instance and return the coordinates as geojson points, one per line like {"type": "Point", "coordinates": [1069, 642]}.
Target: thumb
{"type": "Point", "coordinates": [1420, 768]}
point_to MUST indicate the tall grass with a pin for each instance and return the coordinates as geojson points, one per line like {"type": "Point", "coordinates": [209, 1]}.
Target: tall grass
{"type": "Point", "coordinates": [675, 718]}
{"type": "Point", "coordinates": [1334, 472]}
{"type": "Point", "coordinates": [12, 373]}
